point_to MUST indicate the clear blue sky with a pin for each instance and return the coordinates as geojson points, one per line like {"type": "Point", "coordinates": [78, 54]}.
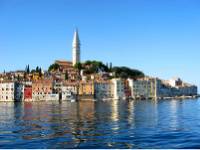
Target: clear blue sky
{"type": "Point", "coordinates": [159, 37]}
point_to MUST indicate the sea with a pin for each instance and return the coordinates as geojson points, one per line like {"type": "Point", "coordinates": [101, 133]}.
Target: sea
{"type": "Point", "coordinates": [110, 124]}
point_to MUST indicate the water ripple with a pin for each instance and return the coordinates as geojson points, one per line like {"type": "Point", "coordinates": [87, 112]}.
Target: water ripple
{"type": "Point", "coordinates": [110, 124]}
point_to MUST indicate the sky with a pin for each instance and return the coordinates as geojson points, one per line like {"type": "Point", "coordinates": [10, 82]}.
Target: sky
{"type": "Point", "coordinates": [159, 37]}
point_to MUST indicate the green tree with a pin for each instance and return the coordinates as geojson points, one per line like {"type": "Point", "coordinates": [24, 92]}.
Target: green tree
{"type": "Point", "coordinates": [40, 72]}
{"type": "Point", "coordinates": [91, 67]}
{"type": "Point", "coordinates": [125, 72]}
{"type": "Point", "coordinates": [53, 67]}
{"type": "Point", "coordinates": [78, 66]}
{"type": "Point", "coordinates": [24, 75]}
{"type": "Point", "coordinates": [66, 75]}
{"type": "Point", "coordinates": [88, 62]}
{"type": "Point", "coordinates": [18, 78]}
{"type": "Point", "coordinates": [28, 69]}
{"type": "Point", "coordinates": [110, 66]}
{"type": "Point", "coordinates": [37, 69]}
{"type": "Point", "coordinates": [33, 71]}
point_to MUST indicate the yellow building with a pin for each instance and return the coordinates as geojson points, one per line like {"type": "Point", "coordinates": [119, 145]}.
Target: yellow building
{"type": "Point", "coordinates": [86, 89]}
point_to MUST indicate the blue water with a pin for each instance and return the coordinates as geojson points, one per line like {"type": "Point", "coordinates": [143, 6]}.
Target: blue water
{"type": "Point", "coordinates": [111, 124]}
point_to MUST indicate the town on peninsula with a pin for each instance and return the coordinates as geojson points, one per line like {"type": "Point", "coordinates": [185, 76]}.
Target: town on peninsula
{"type": "Point", "coordinates": [90, 80]}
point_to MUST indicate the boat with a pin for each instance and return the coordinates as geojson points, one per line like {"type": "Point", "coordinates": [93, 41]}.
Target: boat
{"type": "Point", "coordinates": [70, 97]}
{"type": "Point", "coordinates": [73, 100]}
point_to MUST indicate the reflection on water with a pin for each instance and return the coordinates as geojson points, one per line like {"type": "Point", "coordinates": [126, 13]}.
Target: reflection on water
{"type": "Point", "coordinates": [114, 115]}
{"type": "Point", "coordinates": [131, 114]}
{"type": "Point", "coordinates": [110, 124]}
{"type": "Point", "coordinates": [173, 114]}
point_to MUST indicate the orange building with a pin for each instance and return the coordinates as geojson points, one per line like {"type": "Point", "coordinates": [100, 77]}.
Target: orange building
{"type": "Point", "coordinates": [41, 89]}
{"type": "Point", "coordinates": [86, 88]}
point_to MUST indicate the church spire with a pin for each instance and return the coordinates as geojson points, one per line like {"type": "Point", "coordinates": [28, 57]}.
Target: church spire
{"type": "Point", "coordinates": [76, 48]}
{"type": "Point", "coordinates": [76, 41]}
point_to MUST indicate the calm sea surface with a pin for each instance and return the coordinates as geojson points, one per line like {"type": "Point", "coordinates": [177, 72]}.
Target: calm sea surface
{"type": "Point", "coordinates": [111, 124]}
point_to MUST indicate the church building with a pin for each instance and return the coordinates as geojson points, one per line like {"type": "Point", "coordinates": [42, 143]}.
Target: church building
{"type": "Point", "coordinates": [68, 66]}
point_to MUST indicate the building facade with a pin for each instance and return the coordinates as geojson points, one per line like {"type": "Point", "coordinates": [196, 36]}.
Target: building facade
{"type": "Point", "coordinates": [153, 88]}
{"type": "Point", "coordinates": [86, 90]}
{"type": "Point", "coordinates": [104, 90]}
{"type": "Point", "coordinates": [69, 90]}
{"type": "Point", "coordinates": [143, 88]}
{"type": "Point", "coordinates": [27, 92]}
{"type": "Point", "coordinates": [118, 88]}
{"type": "Point", "coordinates": [43, 90]}
{"type": "Point", "coordinates": [11, 91]}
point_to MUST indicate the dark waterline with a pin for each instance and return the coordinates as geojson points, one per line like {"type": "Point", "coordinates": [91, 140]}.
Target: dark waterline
{"type": "Point", "coordinates": [111, 124]}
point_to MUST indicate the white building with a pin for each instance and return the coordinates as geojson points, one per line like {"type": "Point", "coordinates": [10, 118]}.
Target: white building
{"type": "Point", "coordinates": [118, 88]}
{"type": "Point", "coordinates": [175, 82]}
{"type": "Point", "coordinates": [188, 90]}
{"type": "Point", "coordinates": [68, 90]}
{"type": "Point", "coordinates": [153, 88]}
{"type": "Point", "coordinates": [180, 88]}
{"type": "Point", "coordinates": [11, 91]}
{"type": "Point", "coordinates": [45, 97]}
{"type": "Point", "coordinates": [76, 48]}
{"type": "Point", "coordinates": [175, 87]}
{"type": "Point", "coordinates": [143, 88]}
{"type": "Point", "coordinates": [104, 90]}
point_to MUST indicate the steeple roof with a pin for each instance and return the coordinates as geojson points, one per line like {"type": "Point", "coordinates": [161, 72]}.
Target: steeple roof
{"type": "Point", "coordinates": [76, 41]}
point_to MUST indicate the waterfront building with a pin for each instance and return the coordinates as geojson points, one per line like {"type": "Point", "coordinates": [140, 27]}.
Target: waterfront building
{"type": "Point", "coordinates": [86, 90]}
{"type": "Point", "coordinates": [104, 90]}
{"type": "Point", "coordinates": [11, 91]}
{"type": "Point", "coordinates": [76, 48]}
{"type": "Point", "coordinates": [43, 90]}
{"type": "Point", "coordinates": [118, 88]}
{"type": "Point", "coordinates": [144, 88]}
{"type": "Point", "coordinates": [153, 88]}
{"type": "Point", "coordinates": [69, 89]}
{"type": "Point", "coordinates": [189, 90]}
{"type": "Point", "coordinates": [27, 90]}
{"type": "Point", "coordinates": [181, 88]}
{"type": "Point", "coordinates": [127, 89]}
{"type": "Point", "coordinates": [175, 87]}
{"type": "Point", "coordinates": [57, 86]}
{"type": "Point", "coordinates": [163, 89]}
